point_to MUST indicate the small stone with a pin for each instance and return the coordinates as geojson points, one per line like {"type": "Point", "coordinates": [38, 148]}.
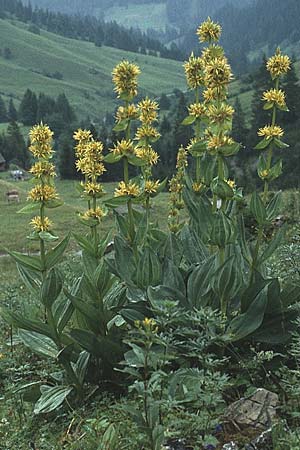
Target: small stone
{"type": "Point", "coordinates": [230, 446]}
{"type": "Point", "coordinates": [257, 411]}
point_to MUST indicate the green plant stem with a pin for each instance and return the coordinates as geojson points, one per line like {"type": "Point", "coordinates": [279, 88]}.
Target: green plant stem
{"type": "Point", "coordinates": [197, 135]}
{"type": "Point", "coordinates": [260, 232]}
{"type": "Point", "coordinates": [129, 203]}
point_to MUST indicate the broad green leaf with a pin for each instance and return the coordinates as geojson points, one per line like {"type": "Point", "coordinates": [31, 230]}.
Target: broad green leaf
{"type": "Point", "coordinates": [148, 269]}
{"type": "Point", "coordinates": [276, 241]}
{"type": "Point", "coordinates": [258, 208]}
{"type": "Point", "coordinates": [29, 262]}
{"type": "Point", "coordinates": [160, 294]}
{"type": "Point", "coordinates": [102, 347]}
{"type": "Point", "coordinates": [31, 279]}
{"type": "Point", "coordinates": [54, 256]}
{"type": "Point", "coordinates": [51, 287]}
{"type": "Point", "coordinates": [18, 321]}
{"type": "Point", "coordinates": [38, 343]}
{"type": "Point", "coordinates": [28, 209]}
{"type": "Point", "coordinates": [262, 145]}
{"type": "Point", "coordinates": [245, 324]}
{"type": "Point", "coordinates": [189, 120]}
{"type": "Point", "coordinates": [110, 158]}
{"type": "Point", "coordinates": [121, 126]}
{"type": "Point", "coordinates": [51, 398]}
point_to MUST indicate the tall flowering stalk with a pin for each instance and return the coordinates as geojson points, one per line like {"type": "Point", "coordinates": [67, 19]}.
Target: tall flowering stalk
{"type": "Point", "coordinates": [90, 163]}
{"type": "Point", "coordinates": [176, 186]}
{"type": "Point", "coordinates": [43, 195]}
{"type": "Point", "coordinates": [210, 75]}
{"type": "Point", "coordinates": [274, 101]}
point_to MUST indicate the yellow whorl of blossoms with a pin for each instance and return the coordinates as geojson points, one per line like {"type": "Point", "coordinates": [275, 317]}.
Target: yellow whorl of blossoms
{"type": "Point", "coordinates": [151, 186]}
{"type": "Point", "coordinates": [231, 183]}
{"type": "Point", "coordinates": [217, 142]}
{"type": "Point", "coordinates": [271, 131]}
{"type": "Point", "coordinates": [97, 213]}
{"type": "Point", "coordinates": [194, 72]}
{"type": "Point", "coordinates": [278, 64]}
{"type": "Point", "coordinates": [211, 52]}
{"type": "Point", "coordinates": [148, 110]}
{"type": "Point", "coordinates": [89, 167]}
{"type": "Point", "coordinates": [123, 148]}
{"type": "Point", "coordinates": [92, 188]}
{"type": "Point", "coordinates": [197, 187]}
{"type": "Point", "coordinates": [220, 113]}
{"type": "Point", "coordinates": [43, 169]}
{"type": "Point", "coordinates": [41, 138]}
{"type": "Point", "coordinates": [130, 189]}
{"type": "Point", "coordinates": [42, 193]}
{"type": "Point", "coordinates": [125, 76]}
{"type": "Point", "coordinates": [148, 155]}
{"type": "Point", "coordinates": [218, 73]}
{"type": "Point", "coordinates": [209, 31]}
{"type": "Point", "coordinates": [212, 94]}
{"type": "Point", "coordinates": [40, 224]}
{"type": "Point", "coordinates": [147, 132]}
{"type": "Point", "coordinates": [197, 110]}
{"type": "Point", "coordinates": [82, 137]}
{"type": "Point", "coordinates": [129, 112]}
{"type": "Point", "coordinates": [89, 154]}
{"type": "Point", "coordinates": [264, 174]}
{"type": "Point", "coordinates": [276, 96]}
{"type": "Point", "coordinates": [181, 161]}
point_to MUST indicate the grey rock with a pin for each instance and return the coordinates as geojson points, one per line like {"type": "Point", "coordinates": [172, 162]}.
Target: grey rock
{"type": "Point", "coordinates": [230, 446]}
{"type": "Point", "coordinates": [262, 442]}
{"type": "Point", "coordinates": [257, 411]}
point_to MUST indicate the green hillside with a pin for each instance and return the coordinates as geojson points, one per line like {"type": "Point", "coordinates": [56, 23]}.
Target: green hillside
{"type": "Point", "coordinates": [86, 69]}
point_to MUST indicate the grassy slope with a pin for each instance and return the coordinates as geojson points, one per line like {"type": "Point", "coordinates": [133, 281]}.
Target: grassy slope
{"type": "Point", "coordinates": [86, 69]}
{"type": "Point", "coordinates": [144, 16]}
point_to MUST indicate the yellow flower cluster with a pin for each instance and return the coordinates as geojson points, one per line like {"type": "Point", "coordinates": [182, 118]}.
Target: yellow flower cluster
{"type": "Point", "coordinates": [148, 111]}
{"type": "Point", "coordinates": [41, 139]}
{"type": "Point", "coordinates": [147, 132]}
{"type": "Point", "coordinates": [220, 113]}
{"type": "Point", "coordinates": [209, 31]}
{"type": "Point", "coordinates": [130, 189]}
{"type": "Point", "coordinates": [216, 142]}
{"type": "Point", "coordinates": [42, 193]}
{"type": "Point", "coordinates": [197, 110]}
{"type": "Point", "coordinates": [89, 153]}
{"type": "Point", "coordinates": [92, 188]}
{"type": "Point", "coordinates": [43, 169]}
{"type": "Point", "coordinates": [41, 224]}
{"type": "Point", "coordinates": [264, 174]}
{"type": "Point", "coordinates": [271, 131]}
{"type": "Point", "coordinates": [123, 148]}
{"type": "Point", "coordinates": [125, 77]}
{"type": "Point", "coordinates": [197, 187]}
{"type": "Point", "coordinates": [218, 73]}
{"type": "Point", "coordinates": [276, 96]}
{"type": "Point", "coordinates": [278, 64]}
{"type": "Point", "coordinates": [212, 52]}
{"type": "Point", "coordinates": [97, 213]}
{"type": "Point", "coordinates": [148, 155]}
{"type": "Point", "coordinates": [231, 183]}
{"type": "Point", "coordinates": [151, 186]}
{"type": "Point", "coordinates": [129, 112]}
{"type": "Point", "coordinates": [148, 325]}
{"type": "Point", "coordinates": [194, 71]}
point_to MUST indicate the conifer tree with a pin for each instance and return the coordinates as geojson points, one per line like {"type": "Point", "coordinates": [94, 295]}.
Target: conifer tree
{"type": "Point", "coordinates": [12, 112]}
{"type": "Point", "coordinates": [28, 108]}
{"type": "Point", "coordinates": [3, 111]}
{"type": "Point", "coordinates": [239, 129]}
{"type": "Point", "coordinates": [17, 148]}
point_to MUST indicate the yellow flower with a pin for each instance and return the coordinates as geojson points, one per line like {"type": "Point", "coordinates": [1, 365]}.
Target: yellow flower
{"type": "Point", "coordinates": [42, 193]}
{"type": "Point", "coordinates": [41, 224]}
{"type": "Point", "coordinates": [94, 150]}
{"type": "Point", "coordinates": [197, 187]}
{"type": "Point", "coordinates": [197, 110]}
{"type": "Point", "coordinates": [151, 186]}
{"type": "Point", "coordinates": [97, 213]}
{"type": "Point", "coordinates": [211, 52]}
{"type": "Point", "coordinates": [90, 168]}
{"type": "Point", "coordinates": [278, 64]}
{"type": "Point", "coordinates": [276, 96]}
{"type": "Point", "coordinates": [149, 325]}
{"type": "Point", "coordinates": [209, 31]}
{"type": "Point", "coordinates": [130, 189]}
{"type": "Point", "coordinates": [194, 72]}
{"type": "Point", "coordinates": [175, 186]}
{"type": "Point", "coordinates": [220, 113]}
{"type": "Point", "coordinates": [231, 183]}
{"type": "Point", "coordinates": [216, 142]}
{"type": "Point", "coordinates": [210, 94]}
{"type": "Point", "coordinates": [147, 132]}
{"type": "Point", "coordinates": [264, 174]}
{"type": "Point", "coordinates": [125, 79]}
{"type": "Point", "coordinates": [123, 148]}
{"type": "Point", "coordinates": [218, 73]}
{"type": "Point", "coordinates": [43, 168]}
{"type": "Point", "coordinates": [82, 135]}
{"type": "Point", "coordinates": [130, 112]}
{"type": "Point", "coordinates": [92, 188]}
{"type": "Point", "coordinates": [271, 131]}
{"type": "Point", "coordinates": [148, 155]}
{"type": "Point", "coordinates": [40, 134]}
{"type": "Point", "coordinates": [148, 110]}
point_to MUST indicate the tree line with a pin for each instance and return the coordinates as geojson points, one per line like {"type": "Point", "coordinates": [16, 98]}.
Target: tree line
{"type": "Point", "coordinates": [90, 29]}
